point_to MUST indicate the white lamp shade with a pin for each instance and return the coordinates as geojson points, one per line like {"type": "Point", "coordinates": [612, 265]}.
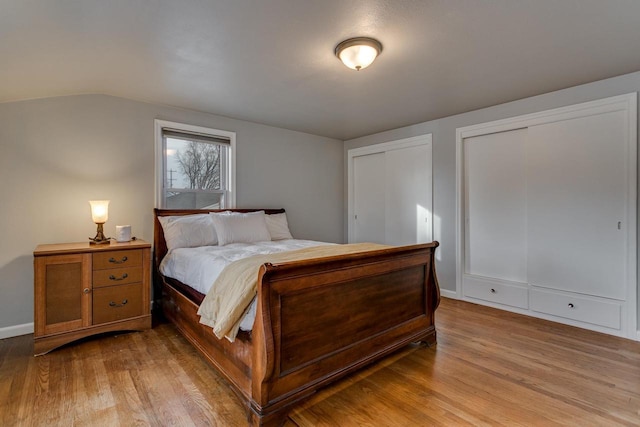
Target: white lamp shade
{"type": "Point", "coordinates": [359, 52]}
{"type": "Point", "coordinates": [99, 211]}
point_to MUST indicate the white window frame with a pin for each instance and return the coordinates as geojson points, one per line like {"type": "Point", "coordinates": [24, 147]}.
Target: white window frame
{"type": "Point", "coordinates": [229, 174]}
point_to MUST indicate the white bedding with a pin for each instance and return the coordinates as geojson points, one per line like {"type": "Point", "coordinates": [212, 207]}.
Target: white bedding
{"type": "Point", "coordinates": [199, 267]}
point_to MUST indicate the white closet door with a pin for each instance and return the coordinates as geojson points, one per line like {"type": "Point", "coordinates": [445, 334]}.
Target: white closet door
{"type": "Point", "coordinates": [577, 205]}
{"type": "Point", "coordinates": [408, 196]}
{"type": "Point", "coordinates": [369, 198]}
{"type": "Point", "coordinates": [496, 206]}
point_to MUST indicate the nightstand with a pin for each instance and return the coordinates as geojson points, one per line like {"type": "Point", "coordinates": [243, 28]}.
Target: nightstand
{"type": "Point", "coordinates": [82, 290]}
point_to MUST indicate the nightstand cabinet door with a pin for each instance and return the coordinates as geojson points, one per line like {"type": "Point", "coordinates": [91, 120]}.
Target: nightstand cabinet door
{"type": "Point", "coordinates": [63, 293]}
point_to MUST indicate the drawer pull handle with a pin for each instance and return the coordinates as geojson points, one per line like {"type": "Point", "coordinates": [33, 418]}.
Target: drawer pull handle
{"type": "Point", "coordinates": [115, 261]}
{"type": "Point", "coordinates": [86, 290]}
{"type": "Point", "coordinates": [571, 305]}
{"type": "Point", "coordinates": [114, 304]}
{"type": "Point", "coordinates": [493, 291]}
{"type": "Point", "coordinates": [124, 276]}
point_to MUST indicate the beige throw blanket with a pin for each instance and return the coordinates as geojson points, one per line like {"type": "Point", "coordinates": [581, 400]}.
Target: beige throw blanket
{"type": "Point", "coordinates": [232, 292]}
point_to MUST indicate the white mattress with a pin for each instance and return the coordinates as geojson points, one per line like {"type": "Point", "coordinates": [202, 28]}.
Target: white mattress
{"type": "Point", "coordinates": [199, 267]}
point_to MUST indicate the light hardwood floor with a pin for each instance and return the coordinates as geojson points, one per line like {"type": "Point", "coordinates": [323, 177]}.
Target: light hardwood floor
{"type": "Point", "coordinates": [490, 367]}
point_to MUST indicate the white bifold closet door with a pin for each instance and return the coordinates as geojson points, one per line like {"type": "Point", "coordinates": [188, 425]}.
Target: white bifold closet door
{"type": "Point", "coordinates": [496, 206]}
{"type": "Point", "coordinates": [369, 181]}
{"type": "Point", "coordinates": [546, 205]}
{"type": "Point", "coordinates": [408, 196]}
{"type": "Point", "coordinates": [392, 196]}
{"type": "Point", "coordinates": [576, 176]}
{"type": "Point", "coordinates": [547, 214]}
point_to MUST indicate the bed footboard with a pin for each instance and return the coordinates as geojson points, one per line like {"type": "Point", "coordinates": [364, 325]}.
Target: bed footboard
{"type": "Point", "coordinates": [321, 319]}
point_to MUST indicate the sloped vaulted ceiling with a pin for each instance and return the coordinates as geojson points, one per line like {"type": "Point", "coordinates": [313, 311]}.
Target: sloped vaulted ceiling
{"type": "Point", "coordinates": [272, 61]}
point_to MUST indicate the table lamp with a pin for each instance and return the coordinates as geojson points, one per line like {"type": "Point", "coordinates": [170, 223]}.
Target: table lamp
{"type": "Point", "coordinates": [99, 214]}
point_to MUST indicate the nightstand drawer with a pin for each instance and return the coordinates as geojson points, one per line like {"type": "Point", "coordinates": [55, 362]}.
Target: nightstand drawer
{"type": "Point", "coordinates": [116, 259]}
{"type": "Point", "coordinates": [117, 276]}
{"type": "Point", "coordinates": [117, 303]}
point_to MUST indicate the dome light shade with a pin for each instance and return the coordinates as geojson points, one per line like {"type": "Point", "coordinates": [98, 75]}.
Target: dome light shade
{"type": "Point", "coordinates": [359, 52]}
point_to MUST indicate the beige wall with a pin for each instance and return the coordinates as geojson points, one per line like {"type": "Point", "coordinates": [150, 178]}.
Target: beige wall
{"type": "Point", "coordinates": [58, 153]}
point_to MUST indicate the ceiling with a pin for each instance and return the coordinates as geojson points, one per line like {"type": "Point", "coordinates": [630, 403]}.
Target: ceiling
{"type": "Point", "coordinates": [272, 61]}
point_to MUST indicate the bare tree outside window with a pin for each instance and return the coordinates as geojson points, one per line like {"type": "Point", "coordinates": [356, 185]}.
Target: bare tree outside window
{"type": "Point", "coordinates": [195, 174]}
{"type": "Point", "coordinates": [200, 165]}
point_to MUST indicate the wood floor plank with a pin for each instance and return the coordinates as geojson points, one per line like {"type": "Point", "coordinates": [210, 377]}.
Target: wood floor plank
{"type": "Point", "coordinates": [550, 379]}
{"type": "Point", "coordinates": [489, 368]}
{"type": "Point", "coordinates": [496, 368]}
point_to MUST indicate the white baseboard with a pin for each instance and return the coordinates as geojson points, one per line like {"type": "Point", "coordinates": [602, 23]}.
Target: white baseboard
{"type": "Point", "coordinates": [16, 330]}
{"type": "Point", "coordinates": [448, 294]}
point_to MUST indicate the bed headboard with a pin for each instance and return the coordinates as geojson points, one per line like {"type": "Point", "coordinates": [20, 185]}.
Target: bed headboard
{"type": "Point", "coordinates": [159, 243]}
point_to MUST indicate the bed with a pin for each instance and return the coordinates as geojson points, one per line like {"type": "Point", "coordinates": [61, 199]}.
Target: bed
{"type": "Point", "coordinates": [316, 320]}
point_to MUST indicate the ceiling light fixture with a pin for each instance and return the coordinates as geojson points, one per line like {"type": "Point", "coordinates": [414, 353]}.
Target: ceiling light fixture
{"type": "Point", "coordinates": [359, 52]}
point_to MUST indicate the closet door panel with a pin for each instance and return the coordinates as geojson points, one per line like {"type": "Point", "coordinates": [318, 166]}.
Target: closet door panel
{"type": "Point", "coordinates": [369, 198]}
{"type": "Point", "coordinates": [408, 196]}
{"type": "Point", "coordinates": [577, 197]}
{"type": "Point", "coordinates": [496, 206]}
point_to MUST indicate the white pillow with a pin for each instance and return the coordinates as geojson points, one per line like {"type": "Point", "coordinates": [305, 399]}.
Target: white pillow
{"type": "Point", "coordinates": [241, 228]}
{"type": "Point", "coordinates": [188, 231]}
{"type": "Point", "coordinates": [278, 226]}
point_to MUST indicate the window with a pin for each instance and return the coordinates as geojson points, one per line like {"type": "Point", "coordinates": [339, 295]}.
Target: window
{"type": "Point", "coordinates": [194, 167]}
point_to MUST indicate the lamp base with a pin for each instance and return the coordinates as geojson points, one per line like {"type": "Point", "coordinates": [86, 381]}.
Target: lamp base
{"type": "Point", "coordinates": [99, 242]}
{"type": "Point", "coordinates": [99, 239]}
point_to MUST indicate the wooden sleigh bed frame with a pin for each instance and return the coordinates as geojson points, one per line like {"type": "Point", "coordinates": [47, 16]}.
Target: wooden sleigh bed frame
{"type": "Point", "coordinates": [317, 320]}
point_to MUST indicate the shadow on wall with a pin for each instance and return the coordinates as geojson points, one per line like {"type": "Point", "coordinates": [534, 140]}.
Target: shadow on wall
{"type": "Point", "coordinates": [16, 292]}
